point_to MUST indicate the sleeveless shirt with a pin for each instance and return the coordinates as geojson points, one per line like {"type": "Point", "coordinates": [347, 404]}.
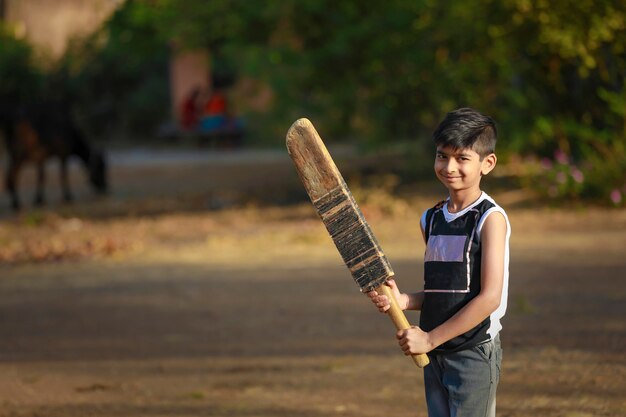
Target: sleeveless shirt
{"type": "Point", "coordinates": [452, 269]}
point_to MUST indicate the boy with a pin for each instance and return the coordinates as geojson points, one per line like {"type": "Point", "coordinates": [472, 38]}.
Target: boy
{"type": "Point", "coordinates": [465, 275]}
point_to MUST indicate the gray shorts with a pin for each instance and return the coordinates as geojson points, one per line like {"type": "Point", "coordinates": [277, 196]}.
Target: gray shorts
{"type": "Point", "coordinates": [463, 384]}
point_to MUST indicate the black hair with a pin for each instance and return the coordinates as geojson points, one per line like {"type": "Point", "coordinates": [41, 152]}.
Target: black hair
{"type": "Point", "coordinates": [465, 128]}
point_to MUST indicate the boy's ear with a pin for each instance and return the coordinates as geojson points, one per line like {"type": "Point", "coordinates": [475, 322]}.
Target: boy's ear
{"type": "Point", "coordinates": [488, 164]}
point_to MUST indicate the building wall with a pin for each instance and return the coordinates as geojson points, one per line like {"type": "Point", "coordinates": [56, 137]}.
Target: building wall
{"type": "Point", "coordinates": [50, 24]}
{"type": "Point", "coordinates": [188, 70]}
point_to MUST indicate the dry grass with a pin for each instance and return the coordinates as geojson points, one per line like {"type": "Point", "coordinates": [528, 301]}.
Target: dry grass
{"type": "Point", "coordinates": [249, 311]}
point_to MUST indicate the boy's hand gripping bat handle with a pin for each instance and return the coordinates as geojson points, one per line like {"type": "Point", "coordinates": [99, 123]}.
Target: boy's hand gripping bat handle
{"type": "Point", "coordinates": [400, 321]}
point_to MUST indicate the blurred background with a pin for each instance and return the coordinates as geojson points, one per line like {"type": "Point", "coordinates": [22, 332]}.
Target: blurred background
{"type": "Point", "coordinates": [143, 73]}
{"type": "Point", "coordinates": [197, 279]}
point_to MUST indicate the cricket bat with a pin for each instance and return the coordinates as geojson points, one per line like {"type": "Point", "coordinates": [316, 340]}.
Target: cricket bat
{"type": "Point", "coordinates": [343, 219]}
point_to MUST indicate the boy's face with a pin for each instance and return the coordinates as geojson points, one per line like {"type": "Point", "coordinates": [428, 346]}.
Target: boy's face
{"type": "Point", "coordinates": [461, 169]}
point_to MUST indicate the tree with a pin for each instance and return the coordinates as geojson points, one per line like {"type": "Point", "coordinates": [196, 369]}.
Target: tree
{"type": "Point", "coordinates": [550, 72]}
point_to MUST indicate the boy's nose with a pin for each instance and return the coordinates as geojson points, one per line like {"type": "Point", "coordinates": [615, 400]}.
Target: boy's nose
{"type": "Point", "coordinates": [451, 167]}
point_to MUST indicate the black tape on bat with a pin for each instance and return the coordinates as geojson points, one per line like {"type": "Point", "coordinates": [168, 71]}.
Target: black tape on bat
{"type": "Point", "coordinates": [353, 237]}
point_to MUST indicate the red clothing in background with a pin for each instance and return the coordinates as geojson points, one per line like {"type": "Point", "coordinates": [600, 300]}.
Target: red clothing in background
{"type": "Point", "coordinates": [215, 105]}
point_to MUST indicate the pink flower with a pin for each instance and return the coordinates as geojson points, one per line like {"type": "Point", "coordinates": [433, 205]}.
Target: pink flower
{"type": "Point", "coordinates": [577, 175]}
{"type": "Point", "coordinates": [546, 164]}
{"type": "Point", "coordinates": [561, 157]}
{"type": "Point", "coordinates": [616, 196]}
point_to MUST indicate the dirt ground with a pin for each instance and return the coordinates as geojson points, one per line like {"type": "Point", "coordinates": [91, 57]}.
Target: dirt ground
{"type": "Point", "coordinates": [184, 293]}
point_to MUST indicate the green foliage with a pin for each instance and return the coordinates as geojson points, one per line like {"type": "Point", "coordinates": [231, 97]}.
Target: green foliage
{"type": "Point", "coordinates": [550, 72]}
{"type": "Point", "coordinates": [570, 68]}
{"type": "Point", "coordinates": [119, 75]}
{"type": "Point", "coordinates": [20, 78]}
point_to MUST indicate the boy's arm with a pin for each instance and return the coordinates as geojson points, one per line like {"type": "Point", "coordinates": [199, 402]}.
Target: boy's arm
{"type": "Point", "coordinates": [414, 301]}
{"type": "Point", "coordinates": [493, 237]}
{"type": "Point", "coordinates": [406, 301]}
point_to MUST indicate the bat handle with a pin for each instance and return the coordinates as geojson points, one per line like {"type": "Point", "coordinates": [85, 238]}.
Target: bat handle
{"type": "Point", "coordinates": [399, 319]}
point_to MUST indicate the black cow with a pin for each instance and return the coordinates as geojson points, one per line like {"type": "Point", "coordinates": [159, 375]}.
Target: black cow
{"type": "Point", "coordinates": [36, 133]}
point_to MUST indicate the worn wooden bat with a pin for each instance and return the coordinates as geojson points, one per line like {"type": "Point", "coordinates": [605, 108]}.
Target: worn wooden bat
{"type": "Point", "coordinates": [343, 218]}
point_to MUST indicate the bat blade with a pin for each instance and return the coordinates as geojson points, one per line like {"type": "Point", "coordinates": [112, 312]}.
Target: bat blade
{"type": "Point", "coordinates": [337, 208]}
{"type": "Point", "coordinates": [343, 219]}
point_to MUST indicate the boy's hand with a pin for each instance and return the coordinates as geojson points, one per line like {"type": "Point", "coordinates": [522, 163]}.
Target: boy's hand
{"type": "Point", "coordinates": [414, 341]}
{"type": "Point", "coordinates": [382, 302]}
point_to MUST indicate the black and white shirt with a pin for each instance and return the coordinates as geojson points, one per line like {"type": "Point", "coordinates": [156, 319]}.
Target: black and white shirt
{"type": "Point", "coordinates": [452, 269]}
